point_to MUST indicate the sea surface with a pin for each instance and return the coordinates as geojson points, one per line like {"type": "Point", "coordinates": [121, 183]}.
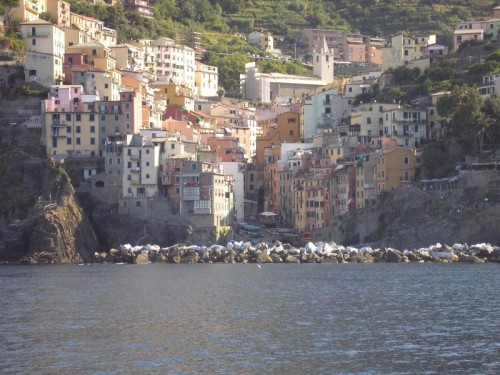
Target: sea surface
{"type": "Point", "coordinates": [245, 319]}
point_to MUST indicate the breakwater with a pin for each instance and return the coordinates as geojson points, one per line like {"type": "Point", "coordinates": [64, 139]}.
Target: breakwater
{"type": "Point", "coordinates": [277, 252]}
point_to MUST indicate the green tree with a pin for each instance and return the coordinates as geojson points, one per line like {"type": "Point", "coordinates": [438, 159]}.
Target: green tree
{"type": "Point", "coordinates": [48, 17]}
{"type": "Point", "coordinates": [471, 117]}
{"type": "Point", "coordinates": [6, 7]}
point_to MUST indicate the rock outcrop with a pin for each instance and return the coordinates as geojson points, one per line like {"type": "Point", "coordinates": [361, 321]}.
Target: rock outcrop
{"type": "Point", "coordinates": [56, 229]}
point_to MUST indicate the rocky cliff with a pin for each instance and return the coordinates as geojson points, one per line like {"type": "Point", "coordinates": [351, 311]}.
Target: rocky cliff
{"type": "Point", "coordinates": [48, 226]}
{"type": "Point", "coordinates": [411, 218]}
{"type": "Point", "coordinates": [55, 231]}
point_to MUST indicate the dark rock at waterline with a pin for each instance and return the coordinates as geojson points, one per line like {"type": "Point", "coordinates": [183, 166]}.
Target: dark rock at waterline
{"type": "Point", "coordinates": [393, 257]}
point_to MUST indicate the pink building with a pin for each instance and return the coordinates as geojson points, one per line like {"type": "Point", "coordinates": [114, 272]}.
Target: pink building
{"type": "Point", "coordinates": [227, 148]}
{"type": "Point", "coordinates": [181, 127]}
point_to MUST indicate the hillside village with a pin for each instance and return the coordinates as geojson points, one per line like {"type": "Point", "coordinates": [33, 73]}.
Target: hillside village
{"type": "Point", "coordinates": [144, 126]}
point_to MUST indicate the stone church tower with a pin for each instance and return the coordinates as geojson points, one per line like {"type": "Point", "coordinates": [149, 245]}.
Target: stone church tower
{"type": "Point", "coordinates": [323, 63]}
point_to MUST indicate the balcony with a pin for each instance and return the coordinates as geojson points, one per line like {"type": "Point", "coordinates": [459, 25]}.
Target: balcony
{"type": "Point", "coordinates": [190, 197]}
{"type": "Point", "coordinates": [167, 180]}
{"type": "Point", "coordinates": [202, 211]}
{"type": "Point", "coordinates": [135, 157]}
{"type": "Point", "coordinates": [31, 7]}
{"type": "Point", "coordinates": [57, 124]}
{"type": "Point", "coordinates": [37, 34]}
{"type": "Point", "coordinates": [136, 182]}
{"type": "Point", "coordinates": [135, 170]}
{"type": "Point", "coordinates": [57, 133]}
{"type": "Point", "coordinates": [410, 121]}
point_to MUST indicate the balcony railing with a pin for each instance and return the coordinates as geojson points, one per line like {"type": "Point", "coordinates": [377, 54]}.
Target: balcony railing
{"type": "Point", "coordinates": [56, 123]}
{"type": "Point", "coordinates": [135, 170]}
{"type": "Point", "coordinates": [43, 34]}
{"type": "Point", "coordinates": [202, 211]}
{"type": "Point", "coordinates": [190, 197]}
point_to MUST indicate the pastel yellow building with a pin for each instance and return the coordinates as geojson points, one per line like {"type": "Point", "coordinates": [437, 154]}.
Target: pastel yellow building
{"type": "Point", "coordinates": [71, 123]}
{"type": "Point", "coordinates": [96, 54]}
{"type": "Point", "coordinates": [396, 168]}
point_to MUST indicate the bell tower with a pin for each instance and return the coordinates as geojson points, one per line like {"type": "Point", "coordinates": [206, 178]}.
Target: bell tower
{"type": "Point", "coordinates": [323, 63]}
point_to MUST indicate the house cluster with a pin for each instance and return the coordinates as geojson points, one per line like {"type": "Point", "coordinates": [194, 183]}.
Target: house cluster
{"type": "Point", "coordinates": [148, 111]}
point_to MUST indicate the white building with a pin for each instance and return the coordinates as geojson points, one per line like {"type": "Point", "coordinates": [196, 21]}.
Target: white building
{"type": "Point", "coordinates": [404, 48]}
{"type": "Point", "coordinates": [206, 80]}
{"type": "Point", "coordinates": [237, 171]}
{"type": "Point", "coordinates": [45, 55]}
{"type": "Point", "coordinates": [140, 167]}
{"type": "Point", "coordinates": [408, 127]}
{"type": "Point", "coordinates": [175, 62]}
{"type": "Point", "coordinates": [324, 111]}
{"type": "Point", "coordinates": [128, 57]}
{"type": "Point", "coordinates": [490, 85]}
{"type": "Point", "coordinates": [148, 46]}
{"type": "Point", "coordinates": [264, 41]}
{"type": "Point", "coordinates": [270, 87]}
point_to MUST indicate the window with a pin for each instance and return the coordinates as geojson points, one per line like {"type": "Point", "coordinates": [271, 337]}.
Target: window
{"type": "Point", "coordinates": [68, 117]}
{"type": "Point", "coordinates": [110, 161]}
{"type": "Point", "coordinates": [32, 73]}
{"type": "Point", "coordinates": [92, 117]}
{"type": "Point", "coordinates": [33, 42]}
{"type": "Point", "coordinates": [68, 129]}
{"type": "Point", "coordinates": [78, 141]}
{"type": "Point", "coordinates": [92, 141]}
{"type": "Point", "coordinates": [291, 132]}
{"type": "Point", "coordinates": [68, 141]}
{"type": "Point", "coordinates": [78, 117]}
{"type": "Point", "coordinates": [92, 129]}
{"type": "Point", "coordinates": [78, 129]}
{"type": "Point", "coordinates": [147, 175]}
{"type": "Point", "coordinates": [406, 160]}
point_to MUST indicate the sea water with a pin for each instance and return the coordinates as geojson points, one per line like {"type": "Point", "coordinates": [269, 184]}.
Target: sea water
{"type": "Point", "coordinates": [242, 319]}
